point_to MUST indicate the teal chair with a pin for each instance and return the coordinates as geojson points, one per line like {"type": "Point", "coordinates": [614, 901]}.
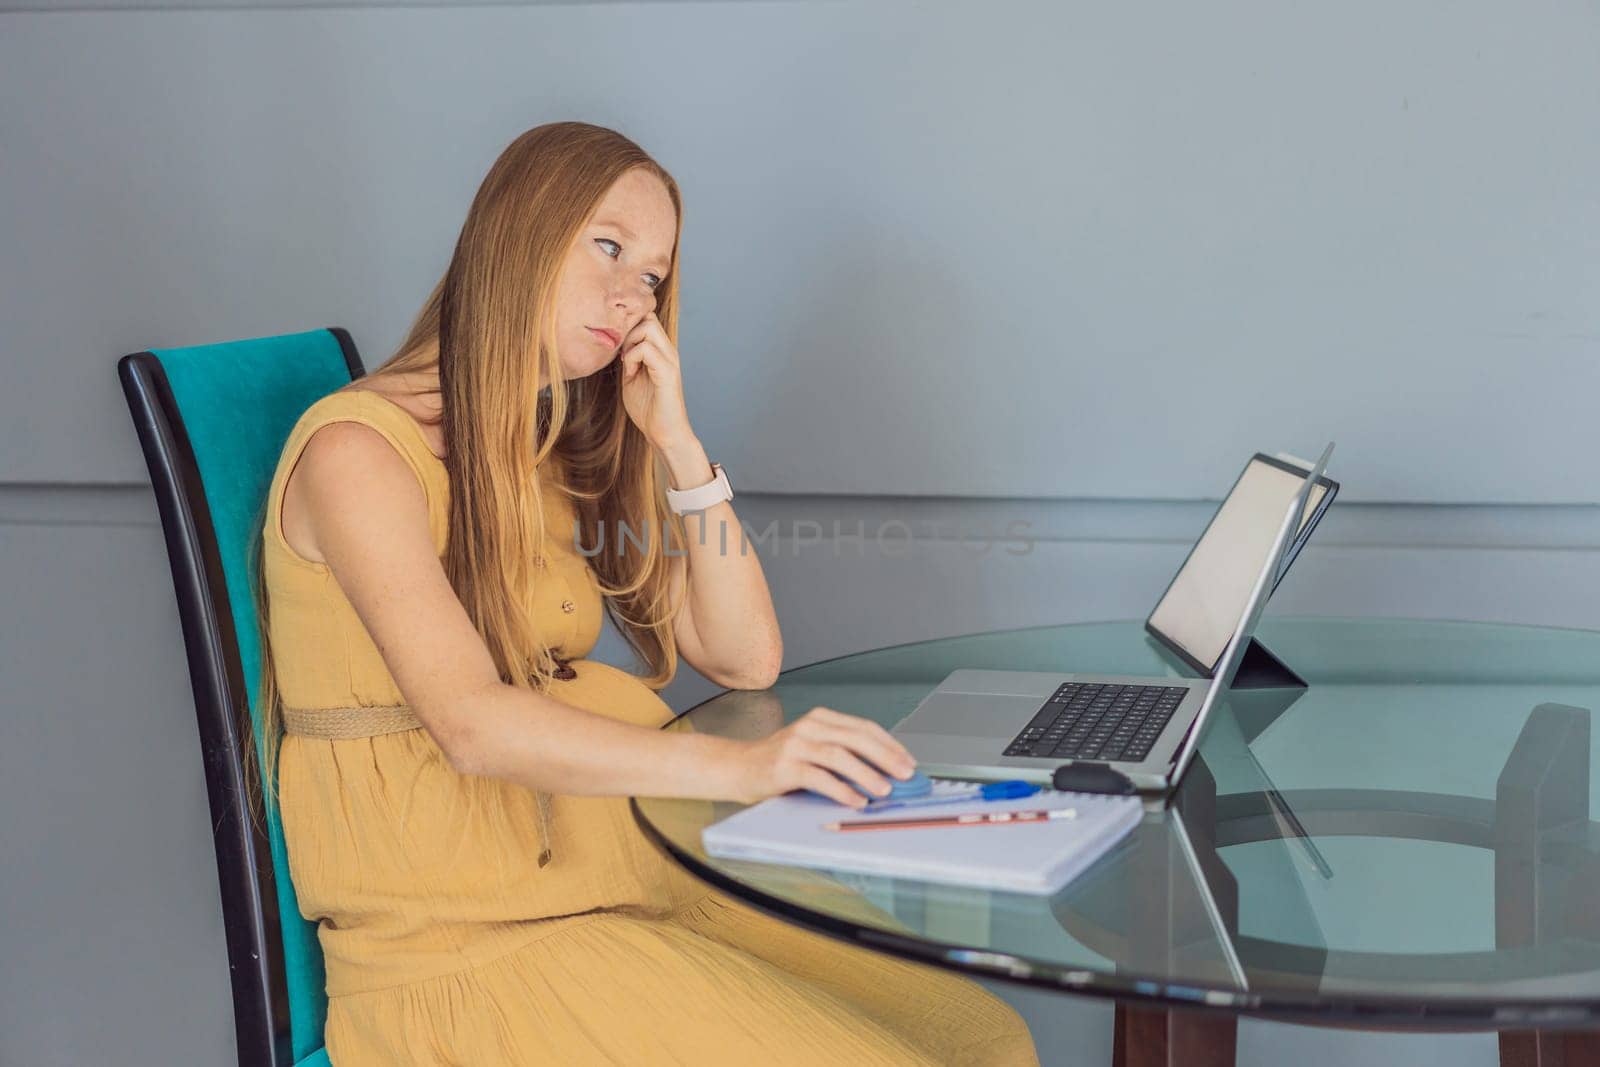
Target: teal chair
{"type": "Point", "coordinates": [213, 420]}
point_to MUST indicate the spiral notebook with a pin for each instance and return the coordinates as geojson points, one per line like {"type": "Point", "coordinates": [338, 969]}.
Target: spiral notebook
{"type": "Point", "coordinates": [1036, 857]}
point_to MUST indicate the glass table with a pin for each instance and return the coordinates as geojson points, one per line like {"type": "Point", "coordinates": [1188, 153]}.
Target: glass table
{"type": "Point", "coordinates": [1407, 843]}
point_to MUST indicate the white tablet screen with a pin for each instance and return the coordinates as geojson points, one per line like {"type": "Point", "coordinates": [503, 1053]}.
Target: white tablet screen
{"type": "Point", "coordinates": [1207, 598]}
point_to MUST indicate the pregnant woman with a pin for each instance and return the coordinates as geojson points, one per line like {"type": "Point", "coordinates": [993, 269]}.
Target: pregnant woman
{"type": "Point", "coordinates": [452, 772]}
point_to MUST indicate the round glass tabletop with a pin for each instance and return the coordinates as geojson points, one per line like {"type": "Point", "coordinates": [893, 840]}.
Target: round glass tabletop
{"type": "Point", "coordinates": [1410, 840]}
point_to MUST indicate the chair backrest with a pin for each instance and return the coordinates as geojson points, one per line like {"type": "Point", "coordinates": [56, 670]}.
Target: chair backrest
{"type": "Point", "coordinates": [212, 421]}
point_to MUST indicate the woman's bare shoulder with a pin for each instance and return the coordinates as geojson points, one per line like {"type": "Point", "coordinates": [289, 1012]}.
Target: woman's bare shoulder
{"type": "Point", "coordinates": [424, 413]}
{"type": "Point", "coordinates": [337, 458]}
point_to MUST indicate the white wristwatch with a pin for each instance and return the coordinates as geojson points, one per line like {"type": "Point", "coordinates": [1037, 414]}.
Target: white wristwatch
{"type": "Point", "coordinates": [682, 501]}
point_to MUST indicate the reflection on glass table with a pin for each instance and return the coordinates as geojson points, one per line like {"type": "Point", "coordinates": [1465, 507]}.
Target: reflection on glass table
{"type": "Point", "coordinates": [1408, 843]}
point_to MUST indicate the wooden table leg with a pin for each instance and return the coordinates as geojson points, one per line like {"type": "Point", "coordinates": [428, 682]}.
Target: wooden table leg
{"type": "Point", "coordinates": [1549, 1048]}
{"type": "Point", "coordinates": [1146, 1038]}
{"type": "Point", "coordinates": [1152, 1038]}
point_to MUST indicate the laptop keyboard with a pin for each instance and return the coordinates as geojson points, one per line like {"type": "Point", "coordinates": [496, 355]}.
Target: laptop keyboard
{"type": "Point", "coordinates": [1084, 720]}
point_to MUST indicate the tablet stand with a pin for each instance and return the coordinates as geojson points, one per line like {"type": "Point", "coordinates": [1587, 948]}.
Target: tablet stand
{"type": "Point", "coordinates": [1260, 669]}
{"type": "Point", "coordinates": [1256, 709]}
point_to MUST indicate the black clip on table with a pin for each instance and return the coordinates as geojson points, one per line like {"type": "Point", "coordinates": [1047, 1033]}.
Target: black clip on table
{"type": "Point", "coordinates": [1084, 777]}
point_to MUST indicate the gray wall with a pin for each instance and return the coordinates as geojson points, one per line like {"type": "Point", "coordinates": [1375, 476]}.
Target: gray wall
{"type": "Point", "coordinates": [967, 238]}
{"type": "Point", "coordinates": [1369, 221]}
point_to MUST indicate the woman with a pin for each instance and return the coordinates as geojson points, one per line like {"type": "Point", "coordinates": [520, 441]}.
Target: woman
{"type": "Point", "coordinates": [453, 774]}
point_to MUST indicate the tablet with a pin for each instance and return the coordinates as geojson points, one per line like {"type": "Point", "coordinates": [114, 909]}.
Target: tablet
{"type": "Point", "coordinates": [1201, 607]}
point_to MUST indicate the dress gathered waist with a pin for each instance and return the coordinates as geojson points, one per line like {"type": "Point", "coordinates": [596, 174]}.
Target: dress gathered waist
{"type": "Point", "coordinates": [376, 720]}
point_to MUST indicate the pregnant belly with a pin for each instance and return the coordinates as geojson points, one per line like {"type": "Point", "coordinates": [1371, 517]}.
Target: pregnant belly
{"type": "Point", "coordinates": [612, 692]}
{"type": "Point", "coordinates": [437, 871]}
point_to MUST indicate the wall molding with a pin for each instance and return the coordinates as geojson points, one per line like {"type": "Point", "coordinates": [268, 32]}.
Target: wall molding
{"type": "Point", "coordinates": [1008, 524]}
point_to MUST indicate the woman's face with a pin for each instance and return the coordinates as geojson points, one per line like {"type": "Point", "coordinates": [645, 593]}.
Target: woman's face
{"type": "Point", "coordinates": [613, 271]}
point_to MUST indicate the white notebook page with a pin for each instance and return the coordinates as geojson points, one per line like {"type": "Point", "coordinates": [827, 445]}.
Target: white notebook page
{"type": "Point", "coordinates": [1036, 857]}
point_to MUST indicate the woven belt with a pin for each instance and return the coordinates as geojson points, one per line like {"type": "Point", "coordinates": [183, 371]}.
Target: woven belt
{"type": "Point", "coordinates": [344, 724]}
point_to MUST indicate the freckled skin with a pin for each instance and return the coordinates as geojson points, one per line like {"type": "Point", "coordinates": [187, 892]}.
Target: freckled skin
{"type": "Point", "coordinates": [608, 288]}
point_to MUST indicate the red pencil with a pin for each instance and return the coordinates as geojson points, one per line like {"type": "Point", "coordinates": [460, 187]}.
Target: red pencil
{"type": "Point", "coordinates": [970, 819]}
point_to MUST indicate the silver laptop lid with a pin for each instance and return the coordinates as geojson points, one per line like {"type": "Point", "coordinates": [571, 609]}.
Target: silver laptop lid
{"type": "Point", "coordinates": [1228, 666]}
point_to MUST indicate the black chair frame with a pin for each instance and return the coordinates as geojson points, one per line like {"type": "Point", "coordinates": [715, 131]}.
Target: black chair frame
{"type": "Point", "coordinates": [244, 863]}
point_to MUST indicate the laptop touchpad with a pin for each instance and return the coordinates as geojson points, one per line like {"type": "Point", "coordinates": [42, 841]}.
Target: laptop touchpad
{"type": "Point", "coordinates": [972, 715]}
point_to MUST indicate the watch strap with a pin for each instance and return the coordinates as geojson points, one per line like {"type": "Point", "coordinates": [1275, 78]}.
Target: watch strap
{"type": "Point", "coordinates": [704, 496]}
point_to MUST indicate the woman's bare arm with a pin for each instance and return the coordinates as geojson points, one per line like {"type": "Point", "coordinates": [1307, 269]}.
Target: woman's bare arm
{"type": "Point", "coordinates": [358, 507]}
{"type": "Point", "coordinates": [727, 629]}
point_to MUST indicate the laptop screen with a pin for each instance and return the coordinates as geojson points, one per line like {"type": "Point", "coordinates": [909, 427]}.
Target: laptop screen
{"type": "Point", "coordinates": [1202, 607]}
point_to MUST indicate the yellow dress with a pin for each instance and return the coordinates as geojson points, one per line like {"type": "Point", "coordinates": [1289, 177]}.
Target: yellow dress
{"type": "Point", "coordinates": [446, 943]}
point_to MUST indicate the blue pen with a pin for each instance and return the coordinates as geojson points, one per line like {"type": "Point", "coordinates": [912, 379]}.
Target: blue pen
{"type": "Point", "coordinates": [992, 791]}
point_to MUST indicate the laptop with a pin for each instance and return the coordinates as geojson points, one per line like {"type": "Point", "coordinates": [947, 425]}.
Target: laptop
{"type": "Point", "coordinates": [1024, 724]}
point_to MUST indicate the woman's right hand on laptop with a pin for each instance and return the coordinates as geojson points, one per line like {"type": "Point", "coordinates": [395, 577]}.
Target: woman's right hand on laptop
{"type": "Point", "coordinates": [818, 751]}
